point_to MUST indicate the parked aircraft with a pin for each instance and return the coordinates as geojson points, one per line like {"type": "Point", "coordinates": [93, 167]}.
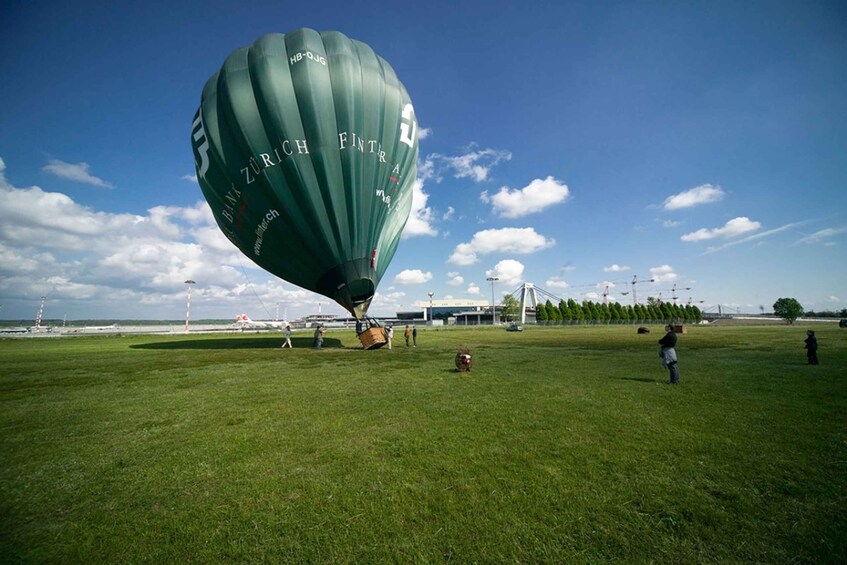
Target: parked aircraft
{"type": "Point", "coordinates": [243, 321]}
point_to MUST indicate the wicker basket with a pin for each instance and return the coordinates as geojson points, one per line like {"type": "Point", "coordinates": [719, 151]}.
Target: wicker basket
{"type": "Point", "coordinates": [373, 338]}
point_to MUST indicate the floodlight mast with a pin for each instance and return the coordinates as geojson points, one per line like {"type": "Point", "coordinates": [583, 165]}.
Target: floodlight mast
{"type": "Point", "coordinates": [492, 280]}
{"type": "Point", "coordinates": [188, 284]}
{"type": "Point", "coordinates": [40, 314]}
{"type": "Point", "coordinates": [430, 294]}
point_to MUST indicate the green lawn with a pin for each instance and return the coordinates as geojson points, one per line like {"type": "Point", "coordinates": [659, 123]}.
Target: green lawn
{"type": "Point", "coordinates": [562, 445]}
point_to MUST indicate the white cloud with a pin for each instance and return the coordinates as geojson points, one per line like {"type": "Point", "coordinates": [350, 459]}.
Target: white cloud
{"type": "Point", "coordinates": [615, 268]}
{"type": "Point", "coordinates": [473, 289]}
{"type": "Point", "coordinates": [834, 299]}
{"type": "Point", "coordinates": [455, 279]}
{"type": "Point", "coordinates": [663, 273]}
{"type": "Point", "coordinates": [475, 164]}
{"type": "Point", "coordinates": [421, 216]}
{"type": "Point", "coordinates": [754, 237]}
{"type": "Point", "coordinates": [670, 223]}
{"type": "Point", "coordinates": [556, 282]}
{"type": "Point", "coordinates": [99, 264]}
{"type": "Point", "coordinates": [449, 213]}
{"type": "Point", "coordinates": [505, 240]}
{"type": "Point", "coordinates": [732, 228]}
{"type": "Point", "coordinates": [702, 194]}
{"type": "Point", "coordinates": [424, 133]}
{"type": "Point", "coordinates": [821, 236]}
{"type": "Point", "coordinates": [509, 271]}
{"type": "Point", "coordinates": [535, 197]}
{"type": "Point", "coordinates": [412, 276]}
{"type": "Point", "coordinates": [77, 172]}
{"type": "Point", "coordinates": [605, 284]}
{"type": "Point", "coordinates": [190, 178]}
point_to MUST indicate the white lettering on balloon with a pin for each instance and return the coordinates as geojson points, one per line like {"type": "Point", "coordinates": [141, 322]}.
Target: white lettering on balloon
{"type": "Point", "coordinates": [262, 228]}
{"type": "Point", "coordinates": [306, 56]}
{"type": "Point", "coordinates": [199, 132]}
{"type": "Point", "coordinates": [408, 133]}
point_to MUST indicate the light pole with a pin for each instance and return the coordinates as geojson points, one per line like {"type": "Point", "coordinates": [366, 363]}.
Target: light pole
{"type": "Point", "coordinates": [430, 305]}
{"type": "Point", "coordinates": [188, 284]}
{"type": "Point", "coordinates": [492, 280]}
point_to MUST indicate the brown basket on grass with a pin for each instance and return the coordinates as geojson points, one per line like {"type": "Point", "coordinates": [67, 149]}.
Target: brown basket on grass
{"type": "Point", "coordinates": [373, 338]}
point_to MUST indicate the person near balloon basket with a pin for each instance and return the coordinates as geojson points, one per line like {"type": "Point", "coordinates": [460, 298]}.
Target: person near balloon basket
{"type": "Point", "coordinates": [668, 354]}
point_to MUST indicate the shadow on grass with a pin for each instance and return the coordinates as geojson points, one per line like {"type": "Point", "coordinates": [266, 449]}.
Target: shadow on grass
{"type": "Point", "coordinates": [637, 379]}
{"type": "Point", "coordinates": [238, 343]}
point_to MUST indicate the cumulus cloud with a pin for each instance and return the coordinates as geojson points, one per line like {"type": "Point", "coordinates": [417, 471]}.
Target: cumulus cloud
{"type": "Point", "coordinates": [449, 213]}
{"type": "Point", "coordinates": [535, 197]}
{"type": "Point", "coordinates": [663, 273]}
{"type": "Point", "coordinates": [412, 276]}
{"type": "Point", "coordinates": [455, 279]}
{"type": "Point", "coordinates": [100, 264]}
{"type": "Point", "coordinates": [508, 271]}
{"type": "Point", "coordinates": [189, 178]}
{"type": "Point", "coordinates": [473, 289]}
{"type": "Point", "coordinates": [733, 228]}
{"type": "Point", "coordinates": [703, 194]}
{"type": "Point", "coordinates": [504, 240]}
{"type": "Point", "coordinates": [424, 133]}
{"type": "Point", "coordinates": [421, 217]}
{"type": "Point", "coordinates": [615, 268]}
{"type": "Point", "coordinates": [77, 172]}
{"type": "Point", "coordinates": [556, 282]}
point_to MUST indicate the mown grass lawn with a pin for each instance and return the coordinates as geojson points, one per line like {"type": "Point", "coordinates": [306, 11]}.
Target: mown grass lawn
{"type": "Point", "coordinates": [562, 445]}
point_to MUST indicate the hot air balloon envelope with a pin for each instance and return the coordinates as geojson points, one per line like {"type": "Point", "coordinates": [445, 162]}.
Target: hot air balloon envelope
{"type": "Point", "coordinates": [306, 147]}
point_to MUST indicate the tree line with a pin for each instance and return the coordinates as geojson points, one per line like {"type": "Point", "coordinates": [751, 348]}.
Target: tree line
{"type": "Point", "coordinates": [571, 311]}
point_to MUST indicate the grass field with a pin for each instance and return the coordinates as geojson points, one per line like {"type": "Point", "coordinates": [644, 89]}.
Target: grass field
{"type": "Point", "coordinates": [562, 445]}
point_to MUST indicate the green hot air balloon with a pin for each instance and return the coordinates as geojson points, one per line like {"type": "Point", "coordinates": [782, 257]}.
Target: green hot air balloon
{"type": "Point", "coordinates": [306, 149]}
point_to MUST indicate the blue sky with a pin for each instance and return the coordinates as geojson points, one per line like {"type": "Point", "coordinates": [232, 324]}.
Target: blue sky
{"type": "Point", "coordinates": [567, 144]}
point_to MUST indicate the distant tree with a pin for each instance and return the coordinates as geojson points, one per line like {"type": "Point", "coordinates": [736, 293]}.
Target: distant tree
{"type": "Point", "coordinates": [553, 313]}
{"type": "Point", "coordinates": [576, 310]}
{"type": "Point", "coordinates": [566, 312]}
{"type": "Point", "coordinates": [588, 311]}
{"type": "Point", "coordinates": [511, 308]}
{"type": "Point", "coordinates": [652, 301]}
{"type": "Point", "coordinates": [623, 313]}
{"type": "Point", "coordinates": [541, 313]}
{"type": "Point", "coordinates": [698, 315]}
{"type": "Point", "coordinates": [788, 309]}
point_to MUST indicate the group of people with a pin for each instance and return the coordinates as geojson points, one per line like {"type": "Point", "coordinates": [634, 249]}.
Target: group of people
{"type": "Point", "coordinates": [669, 358]}
{"type": "Point", "coordinates": [410, 332]}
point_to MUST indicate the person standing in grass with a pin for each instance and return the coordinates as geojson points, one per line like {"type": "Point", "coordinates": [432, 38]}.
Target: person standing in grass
{"type": "Point", "coordinates": [389, 335]}
{"type": "Point", "coordinates": [668, 354]}
{"type": "Point", "coordinates": [811, 347]}
{"type": "Point", "coordinates": [407, 334]}
{"type": "Point", "coordinates": [287, 333]}
{"type": "Point", "coordinates": [319, 336]}
{"type": "Point", "coordinates": [414, 336]}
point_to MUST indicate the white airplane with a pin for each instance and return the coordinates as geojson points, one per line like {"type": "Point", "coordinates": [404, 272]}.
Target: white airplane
{"type": "Point", "coordinates": [243, 321]}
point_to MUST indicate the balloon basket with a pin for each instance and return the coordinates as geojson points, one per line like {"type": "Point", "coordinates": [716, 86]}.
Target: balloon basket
{"type": "Point", "coordinates": [373, 338]}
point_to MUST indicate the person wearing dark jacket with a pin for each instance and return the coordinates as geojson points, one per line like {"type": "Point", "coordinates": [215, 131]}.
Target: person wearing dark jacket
{"type": "Point", "coordinates": [812, 347]}
{"type": "Point", "coordinates": [668, 354]}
